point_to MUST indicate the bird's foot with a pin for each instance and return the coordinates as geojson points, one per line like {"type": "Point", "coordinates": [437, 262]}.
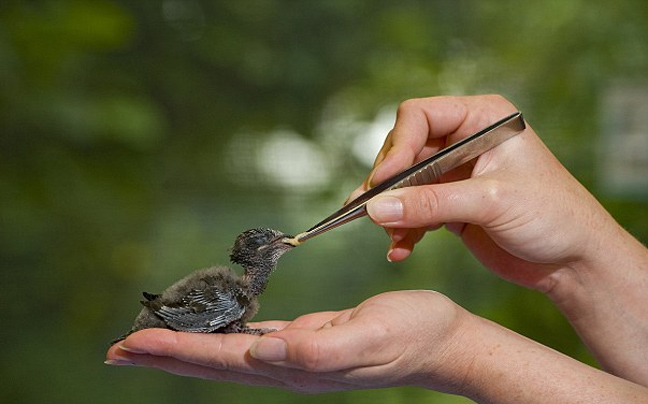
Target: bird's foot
{"type": "Point", "coordinates": [244, 329]}
{"type": "Point", "coordinates": [258, 331]}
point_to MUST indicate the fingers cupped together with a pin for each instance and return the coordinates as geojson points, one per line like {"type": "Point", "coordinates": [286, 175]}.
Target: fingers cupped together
{"type": "Point", "coordinates": [302, 359]}
{"type": "Point", "coordinates": [218, 351]}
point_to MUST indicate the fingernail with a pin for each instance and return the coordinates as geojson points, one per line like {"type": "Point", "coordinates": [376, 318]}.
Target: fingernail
{"type": "Point", "coordinates": [397, 235]}
{"type": "Point", "coordinates": [385, 209]}
{"type": "Point", "coordinates": [269, 349]}
{"type": "Point", "coordinates": [356, 193]}
{"type": "Point", "coordinates": [131, 350]}
{"type": "Point", "coordinates": [118, 362]}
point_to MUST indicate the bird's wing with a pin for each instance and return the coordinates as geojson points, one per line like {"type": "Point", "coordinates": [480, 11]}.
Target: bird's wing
{"type": "Point", "coordinates": [203, 310]}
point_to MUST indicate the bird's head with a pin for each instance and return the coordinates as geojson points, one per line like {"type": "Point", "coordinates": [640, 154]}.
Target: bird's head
{"type": "Point", "coordinates": [257, 251]}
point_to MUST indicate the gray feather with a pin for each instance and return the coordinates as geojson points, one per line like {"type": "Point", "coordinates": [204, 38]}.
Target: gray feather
{"type": "Point", "coordinates": [202, 310]}
{"type": "Point", "coordinates": [217, 299]}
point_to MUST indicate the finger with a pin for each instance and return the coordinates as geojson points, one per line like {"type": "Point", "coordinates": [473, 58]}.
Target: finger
{"type": "Point", "coordinates": [468, 201]}
{"type": "Point", "coordinates": [384, 149]}
{"type": "Point", "coordinates": [222, 351]}
{"type": "Point", "coordinates": [356, 193]}
{"type": "Point", "coordinates": [415, 235]}
{"type": "Point", "coordinates": [403, 247]}
{"type": "Point", "coordinates": [399, 253]}
{"type": "Point", "coordinates": [397, 235]}
{"type": "Point", "coordinates": [269, 324]}
{"type": "Point", "coordinates": [223, 357]}
{"type": "Point", "coordinates": [218, 351]}
{"type": "Point", "coordinates": [422, 124]}
{"type": "Point", "coordinates": [358, 343]}
{"type": "Point", "coordinates": [314, 321]}
{"type": "Point", "coordinates": [419, 131]}
{"type": "Point", "coordinates": [181, 368]}
{"type": "Point", "coordinates": [413, 129]}
{"type": "Point", "coordinates": [267, 375]}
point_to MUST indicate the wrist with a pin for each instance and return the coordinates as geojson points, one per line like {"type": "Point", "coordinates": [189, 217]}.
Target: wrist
{"type": "Point", "coordinates": [450, 369]}
{"type": "Point", "coordinates": [505, 367]}
{"type": "Point", "coordinates": [611, 266]}
{"type": "Point", "coordinates": [481, 361]}
{"type": "Point", "coordinates": [604, 299]}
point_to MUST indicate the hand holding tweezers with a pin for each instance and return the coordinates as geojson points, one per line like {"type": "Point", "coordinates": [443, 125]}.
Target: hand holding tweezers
{"type": "Point", "coordinates": [425, 172]}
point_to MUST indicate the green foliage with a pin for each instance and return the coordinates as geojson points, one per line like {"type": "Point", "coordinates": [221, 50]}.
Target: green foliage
{"type": "Point", "coordinates": [132, 141]}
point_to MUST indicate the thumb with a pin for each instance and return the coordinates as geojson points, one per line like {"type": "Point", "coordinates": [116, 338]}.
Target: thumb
{"type": "Point", "coordinates": [324, 350]}
{"type": "Point", "coordinates": [467, 201]}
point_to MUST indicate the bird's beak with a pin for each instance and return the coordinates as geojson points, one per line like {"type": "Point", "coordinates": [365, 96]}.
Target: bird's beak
{"type": "Point", "coordinates": [291, 241]}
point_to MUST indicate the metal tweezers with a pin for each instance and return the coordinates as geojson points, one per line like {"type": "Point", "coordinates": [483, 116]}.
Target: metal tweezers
{"type": "Point", "coordinates": [425, 172]}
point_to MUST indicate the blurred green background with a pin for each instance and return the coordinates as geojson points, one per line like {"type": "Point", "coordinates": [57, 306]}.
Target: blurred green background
{"type": "Point", "coordinates": [138, 138]}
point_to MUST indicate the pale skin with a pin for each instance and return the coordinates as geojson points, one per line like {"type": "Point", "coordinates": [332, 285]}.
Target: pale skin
{"type": "Point", "coordinates": [520, 212]}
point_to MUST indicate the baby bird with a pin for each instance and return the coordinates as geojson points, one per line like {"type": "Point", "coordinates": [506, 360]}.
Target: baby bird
{"type": "Point", "coordinates": [217, 299]}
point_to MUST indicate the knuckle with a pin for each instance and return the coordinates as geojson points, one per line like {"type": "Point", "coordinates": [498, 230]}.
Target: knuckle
{"type": "Point", "coordinates": [426, 203]}
{"type": "Point", "coordinates": [493, 197]}
{"type": "Point", "coordinates": [309, 356]}
{"type": "Point", "coordinates": [408, 105]}
{"type": "Point", "coordinates": [496, 98]}
{"type": "Point", "coordinates": [499, 102]}
{"type": "Point", "coordinates": [493, 191]}
{"type": "Point", "coordinates": [381, 331]}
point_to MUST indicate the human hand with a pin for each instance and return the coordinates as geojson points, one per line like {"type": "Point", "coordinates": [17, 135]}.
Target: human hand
{"type": "Point", "coordinates": [415, 338]}
{"type": "Point", "coordinates": [396, 338]}
{"type": "Point", "coordinates": [515, 207]}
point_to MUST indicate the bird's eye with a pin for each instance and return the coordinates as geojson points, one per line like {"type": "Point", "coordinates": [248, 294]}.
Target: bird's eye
{"type": "Point", "coordinates": [256, 239]}
{"type": "Point", "coordinates": [260, 241]}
